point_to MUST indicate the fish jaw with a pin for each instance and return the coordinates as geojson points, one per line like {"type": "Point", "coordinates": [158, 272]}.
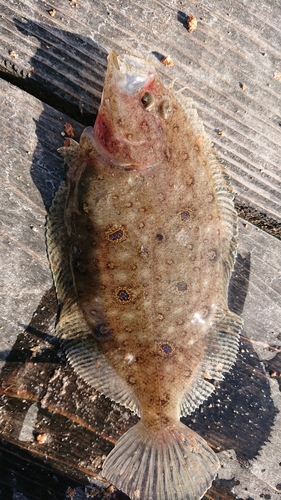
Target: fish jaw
{"type": "Point", "coordinates": [125, 132]}
{"type": "Point", "coordinates": [128, 73]}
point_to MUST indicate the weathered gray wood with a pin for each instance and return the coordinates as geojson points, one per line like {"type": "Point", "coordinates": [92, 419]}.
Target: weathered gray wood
{"type": "Point", "coordinates": [71, 424]}
{"type": "Point", "coordinates": [230, 65]}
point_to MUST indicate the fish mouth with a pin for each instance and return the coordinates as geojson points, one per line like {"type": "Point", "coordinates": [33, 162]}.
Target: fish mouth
{"type": "Point", "coordinates": [129, 73]}
{"type": "Point", "coordinates": [126, 76]}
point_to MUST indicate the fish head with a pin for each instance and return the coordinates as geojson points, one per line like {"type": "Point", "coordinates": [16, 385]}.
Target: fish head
{"type": "Point", "coordinates": [130, 128]}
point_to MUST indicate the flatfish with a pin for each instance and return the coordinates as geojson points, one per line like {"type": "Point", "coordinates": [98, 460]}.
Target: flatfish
{"type": "Point", "coordinates": [142, 241]}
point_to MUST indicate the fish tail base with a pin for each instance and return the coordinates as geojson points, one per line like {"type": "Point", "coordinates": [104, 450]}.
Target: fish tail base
{"type": "Point", "coordinates": [172, 464]}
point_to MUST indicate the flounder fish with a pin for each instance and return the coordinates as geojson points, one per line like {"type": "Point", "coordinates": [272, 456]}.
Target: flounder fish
{"type": "Point", "coordinates": [142, 241]}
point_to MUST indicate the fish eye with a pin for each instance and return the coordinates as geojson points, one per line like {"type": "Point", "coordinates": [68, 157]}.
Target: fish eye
{"type": "Point", "coordinates": [165, 109]}
{"type": "Point", "coordinates": [148, 101]}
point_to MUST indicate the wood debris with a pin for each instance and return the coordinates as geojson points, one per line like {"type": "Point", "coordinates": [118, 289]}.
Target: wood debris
{"type": "Point", "coordinates": [167, 61]}
{"type": "Point", "coordinates": [41, 438]}
{"type": "Point", "coordinates": [13, 54]}
{"type": "Point", "coordinates": [69, 130]}
{"type": "Point", "coordinates": [191, 23]}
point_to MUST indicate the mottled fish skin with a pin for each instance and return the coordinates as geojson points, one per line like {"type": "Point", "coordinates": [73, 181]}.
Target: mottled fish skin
{"type": "Point", "coordinates": [146, 246]}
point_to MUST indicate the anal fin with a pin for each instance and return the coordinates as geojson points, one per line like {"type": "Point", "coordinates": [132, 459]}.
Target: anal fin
{"type": "Point", "coordinates": [78, 341]}
{"type": "Point", "coordinates": [219, 357]}
{"type": "Point", "coordinates": [89, 363]}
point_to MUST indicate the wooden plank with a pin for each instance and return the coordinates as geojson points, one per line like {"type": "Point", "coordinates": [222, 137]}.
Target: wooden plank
{"type": "Point", "coordinates": [31, 363]}
{"type": "Point", "coordinates": [230, 66]}
{"type": "Point", "coordinates": [45, 410]}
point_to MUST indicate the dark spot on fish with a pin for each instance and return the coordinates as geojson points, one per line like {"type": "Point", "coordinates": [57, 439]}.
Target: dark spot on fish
{"type": "Point", "coordinates": [182, 286]}
{"type": "Point", "coordinates": [205, 312]}
{"type": "Point", "coordinates": [86, 208]}
{"type": "Point", "coordinates": [189, 180]}
{"type": "Point", "coordinates": [131, 380]}
{"type": "Point", "coordinates": [80, 266]}
{"type": "Point", "coordinates": [144, 126]}
{"type": "Point", "coordinates": [165, 420]}
{"type": "Point", "coordinates": [123, 295]}
{"type": "Point", "coordinates": [185, 157]}
{"type": "Point", "coordinates": [110, 265]}
{"type": "Point", "coordinates": [148, 101]}
{"type": "Point", "coordinates": [165, 109]}
{"type": "Point", "coordinates": [210, 198]}
{"type": "Point", "coordinates": [102, 332]}
{"type": "Point", "coordinates": [160, 237]}
{"type": "Point", "coordinates": [165, 400]}
{"type": "Point", "coordinates": [161, 197]}
{"type": "Point", "coordinates": [185, 215]}
{"type": "Point", "coordinates": [167, 349]}
{"type": "Point", "coordinates": [117, 235]}
{"type": "Point", "coordinates": [213, 255]}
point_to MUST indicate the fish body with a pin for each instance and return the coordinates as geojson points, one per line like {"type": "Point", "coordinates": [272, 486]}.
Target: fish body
{"type": "Point", "coordinates": [142, 241]}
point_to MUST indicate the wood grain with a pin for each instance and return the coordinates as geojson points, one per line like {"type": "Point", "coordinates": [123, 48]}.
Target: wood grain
{"type": "Point", "coordinates": [54, 429]}
{"type": "Point", "coordinates": [62, 58]}
{"type": "Point", "coordinates": [34, 372]}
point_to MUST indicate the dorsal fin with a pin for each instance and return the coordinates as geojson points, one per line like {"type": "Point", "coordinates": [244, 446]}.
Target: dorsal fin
{"type": "Point", "coordinates": [77, 338]}
{"type": "Point", "coordinates": [223, 194]}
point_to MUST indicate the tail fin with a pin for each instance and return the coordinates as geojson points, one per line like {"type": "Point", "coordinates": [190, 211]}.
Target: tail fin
{"type": "Point", "coordinates": [172, 464]}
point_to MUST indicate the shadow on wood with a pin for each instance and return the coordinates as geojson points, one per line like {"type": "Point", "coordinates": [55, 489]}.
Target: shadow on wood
{"type": "Point", "coordinates": [49, 417]}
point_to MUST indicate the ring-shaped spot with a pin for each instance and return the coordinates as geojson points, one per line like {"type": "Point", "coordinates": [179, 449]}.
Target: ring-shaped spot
{"type": "Point", "coordinates": [116, 235]}
{"type": "Point", "coordinates": [123, 295]}
{"type": "Point", "coordinates": [166, 349]}
{"type": "Point", "coordinates": [182, 287]}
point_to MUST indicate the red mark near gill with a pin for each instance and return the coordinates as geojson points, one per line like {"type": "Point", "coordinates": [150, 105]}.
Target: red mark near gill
{"type": "Point", "coordinates": [107, 137]}
{"type": "Point", "coordinates": [102, 131]}
{"type": "Point", "coordinates": [149, 87]}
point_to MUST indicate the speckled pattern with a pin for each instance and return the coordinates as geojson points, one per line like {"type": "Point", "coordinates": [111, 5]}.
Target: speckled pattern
{"type": "Point", "coordinates": [146, 243]}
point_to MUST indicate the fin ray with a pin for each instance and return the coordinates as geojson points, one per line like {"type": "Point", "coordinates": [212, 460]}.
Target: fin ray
{"type": "Point", "coordinates": [77, 338]}
{"type": "Point", "coordinates": [219, 357]}
{"type": "Point", "coordinates": [223, 193]}
{"type": "Point", "coordinates": [174, 463]}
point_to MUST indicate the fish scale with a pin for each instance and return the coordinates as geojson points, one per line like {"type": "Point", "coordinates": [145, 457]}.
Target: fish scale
{"type": "Point", "coordinates": [142, 241]}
